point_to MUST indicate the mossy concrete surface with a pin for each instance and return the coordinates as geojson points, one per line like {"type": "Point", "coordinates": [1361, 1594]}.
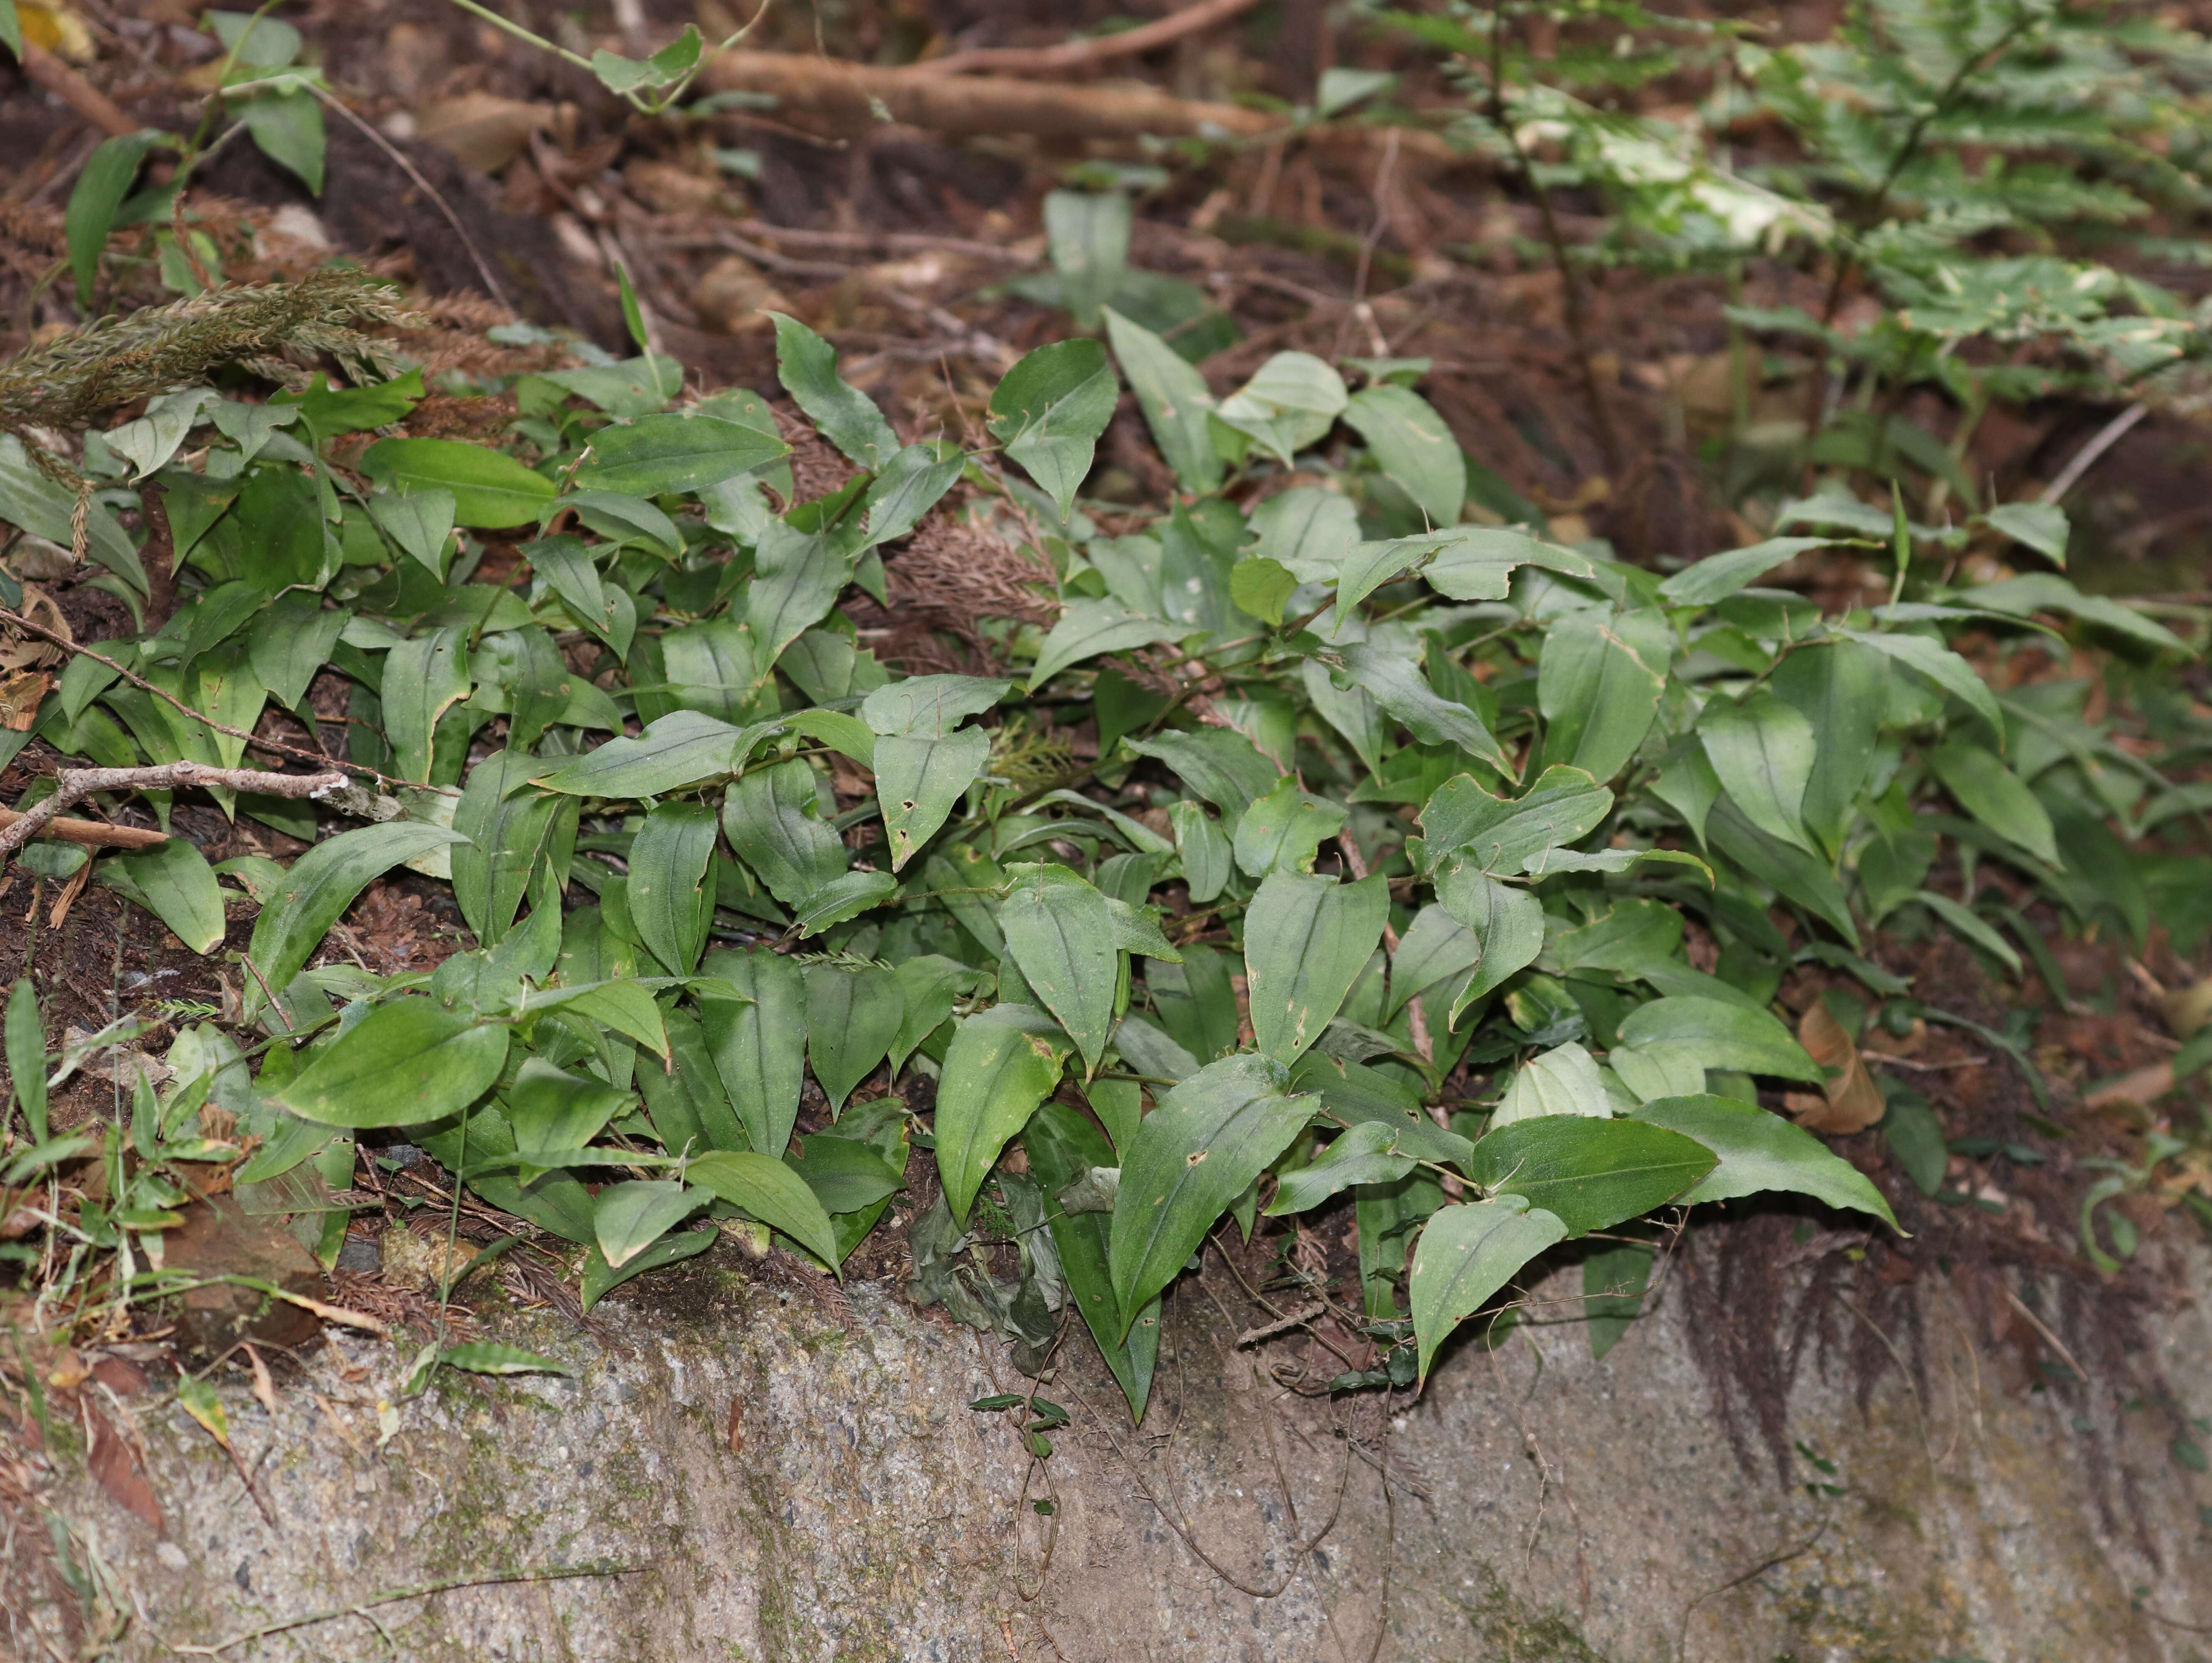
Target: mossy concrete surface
{"type": "Point", "coordinates": [1545, 1508]}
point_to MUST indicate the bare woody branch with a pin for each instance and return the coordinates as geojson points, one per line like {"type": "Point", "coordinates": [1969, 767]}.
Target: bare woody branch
{"type": "Point", "coordinates": [76, 784]}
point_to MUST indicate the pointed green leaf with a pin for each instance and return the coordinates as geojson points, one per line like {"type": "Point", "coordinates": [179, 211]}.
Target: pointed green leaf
{"type": "Point", "coordinates": [1993, 795]}
{"type": "Point", "coordinates": [918, 782]}
{"type": "Point", "coordinates": [852, 1018]}
{"type": "Point", "coordinates": [759, 1047]}
{"type": "Point", "coordinates": [1598, 686]}
{"type": "Point", "coordinates": [1048, 410]}
{"type": "Point", "coordinates": [1762, 751]}
{"type": "Point", "coordinates": [1062, 933]}
{"type": "Point", "coordinates": [404, 1063]}
{"type": "Point", "coordinates": [178, 883]}
{"type": "Point", "coordinates": [321, 884]}
{"type": "Point", "coordinates": [847, 418]}
{"type": "Point", "coordinates": [1174, 398]}
{"type": "Point", "coordinates": [1194, 1154]}
{"type": "Point", "coordinates": [1002, 1063]}
{"type": "Point", "coordinates": [655, 454]}
{"type": "Point", "coordinates": [1063, 1147]}
{"type": "Point", "coordinates": [1465, 1254]}
{"type": "Point", "coordinates": [773, 1194]}
{"type": "Point", "coordinates": [683, 748]}
{"type": "Point", "coordinates": [627, 1218]}
{"type": "Point", "coordinates": [490, 489]}
{"type": "Point", "coordinates": [1722, 1036]}
{"type": "Point", "coordinates": [1306, 940]}
{"type": "Point", "coordinates": [773, 819]}
{"type": "Point", "coordinates": [1592, 1173]}
{"type": "Point", "coordinates": [1760, 1152]}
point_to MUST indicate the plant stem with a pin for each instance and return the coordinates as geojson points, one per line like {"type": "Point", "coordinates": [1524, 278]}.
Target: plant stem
{"type": "Point", "coordinates": [1608, 440]}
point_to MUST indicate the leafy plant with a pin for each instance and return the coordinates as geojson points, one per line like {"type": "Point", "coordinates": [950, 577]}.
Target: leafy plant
{"type": "Point", "coordinates": [1546, 761]}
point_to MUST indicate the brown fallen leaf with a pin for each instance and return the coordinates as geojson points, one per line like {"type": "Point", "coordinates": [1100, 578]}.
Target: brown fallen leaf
{"type": "Point", "coordinates": [114, 1463]}
{"type": "Point", "coordinates": [482, 130]}
{"type": "Point", "coordinates": [2133, 1091]}
{"type": "Point", "coordinates": [1850, 1100]}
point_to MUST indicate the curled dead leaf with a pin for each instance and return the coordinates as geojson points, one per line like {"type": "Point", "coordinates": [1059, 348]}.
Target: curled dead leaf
{"type": "Point", "coordinates": [1850, 1101]}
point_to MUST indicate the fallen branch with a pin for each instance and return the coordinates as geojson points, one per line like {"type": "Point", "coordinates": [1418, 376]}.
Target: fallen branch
{"type": "Point", "coordinates": [256, 740]}
{"type": "Point", "coordinates": [1082, 54]}
{"type": "Point", "coordinates": [1282, 1324]}
{"type": "Point", "coordinates": [93, 834]}
{"type": "Point", "coordinates": [853, 99]}
{"type": "Point", "coordinates": [77, 784]}
{"type": "Point", "coordinates": [74, 90]}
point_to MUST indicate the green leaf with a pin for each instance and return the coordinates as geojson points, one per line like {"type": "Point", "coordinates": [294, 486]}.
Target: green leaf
{"type": "Point", "coordinates": [1592, 1173]}
{"type": "Point", "coordinates": [1722, 1036]}
{"type": "Point", "coordinates": [2046, 592]}
{"type": "Point", "coordinates": [1613, 1283]}
{"type": "Point", "coordinates": [918, 781]}
{"type": "Point", "coordinates": [1762, 1151]}
{"type": "Point", "coordinates": [599, 1278]}
{"type": "Point", "coordinates": [288, 128]}
{"type": "Point", "coordinates": [664, 67]}
{"type": "Point", "coordinates": [1507, 833]}
{"type": "Point", "coordinates": [1089, 628]}
{"type": "Point", "coordinates": [929, 706]}
{"type": "Point", "coordinates": [403, 1064]}
{"type": "Point", "coordinates": [772, 1192]}
{"type": "Point", "coordinates": [490, 489]}
{"type": "Point", "coordinates": [1993, 795]}
{"type": "Point", "coordinates": [1283, 830]}
{"type": "Point", "coordinates": [628, 1218]}
{"type": "Point", "coordinates": [177, 884]}
{"type": "Point", "coordinates": [1223, 767]}
{"type": "Point", "coordinates": [852, 1018]}
{"type": "Point", "coordinates": [99, 190]}
{"type": "Point", "coordinates": [668, 900]}
{"type": "Point", "coordinates": [1062, 933]}
{"type": "Point", "coordinates": [1397, 686]}
{"type": "Point", "coordinates": [626, 1007]}
{"type": "Point", "coordinates": [1941, 666]}
{"type": "Point", "coordinates": [1087, 235]}
{"type": "Point", "coordinates": [1915, 1136]}
{"type": "Point", "coordinates": [1174, 398]}
{"type": "Point", "coordinates": [1467, 1254]}
{"type": "Point", "coordinates": [1762, 750]}
{"type": "Point", "coordinates": [655, 454]}
{"type": "Point", "coordinates": [1562, 1081]}
{"type": "Point", "coordinates": [797, 576]}
{"type": "Point", "coordinates": [847, 1176]}
{"type": "Point", "coordinates": [1365, 1154]}
{"type": "Point", "coordinates": [773, 819]}
{"type": "Point", "coordinates": [1048, 410]}
{"type": "Point", "coordinates": [422, 680]}
{"type": "Point", "coordinates": [840, 899]}
{"type": "Point", "coordinates": [928, 984]}
{"type": "Point", "coordinates": [1206, 854]}
{"type": "Point", "coordinates": [1415, 447]}
{"type": "Point", "coordinates": [1507, 922]}
{"type": "Point", "coordinates": [2041, 525]}
{"type": "Point", "coordinates": [1802, 879]}
{"type": "Point", "coordinates": [554, 1112]}
{"type": "Point", "coordinates": [1306, 940]}
{"type": "Point", "coordinates": [847, 418]}
{"type": "Point", "coordinates": [683, 748]}
{"type": "Point", "coordinates": [1718, 576]}
{"type": "Point", "coordinates": [1598, 686]}
{"type": "Point", "coordinates": [321, 884]}
{"type": "Point", "coordinates": [1963, 920]}
{"type": "Point", "coordinates": [605, 608]}
{"type": "Point", "coordinates": [1842, 689]}
{"type": "Point", "coordinates": [490, 1357]}
{"type": "Point", "coordinates": [759, 1043]}
{"type": "Point", "coordinates": [690, 1109]}
{"type": "Point", "coordinates": [1435, 947]}
{"type": "Point", "coordinates": [26, 1047]}
{"type": "Point", "coordinates": [511, 830]}
{"type": "Point", "coordinates": [421, 523]}
{"type": "Point", "coordinates": [11, 30]}
{"type": "Point", "coordinates": [1262, 587]}
{"type": "Point", "coordinates": [1290, 402]}
{"type": "Point", "coordinates": [1002, 1063]}
{"type": "Point", "coordinates": [1062, 1147]}
{"type": "Point", "coordinates": [1194, 1154]}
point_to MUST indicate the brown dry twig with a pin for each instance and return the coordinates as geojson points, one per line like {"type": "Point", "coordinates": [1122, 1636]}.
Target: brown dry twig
{"type": "Point", "coordinates": [1096, 49]}
{"type": "Point", "coordinates": [76, 784]}
{"type": "Point", "coordinates": [93, 834]}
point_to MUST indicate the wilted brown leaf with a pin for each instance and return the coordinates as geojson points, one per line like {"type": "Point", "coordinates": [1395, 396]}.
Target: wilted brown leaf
{"type": "Point", "coordinates": [1851, 1101]}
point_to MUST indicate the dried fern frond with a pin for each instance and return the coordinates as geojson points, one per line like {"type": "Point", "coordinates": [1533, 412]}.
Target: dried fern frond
{"type": "Point", "coordinates": [64, 385]}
